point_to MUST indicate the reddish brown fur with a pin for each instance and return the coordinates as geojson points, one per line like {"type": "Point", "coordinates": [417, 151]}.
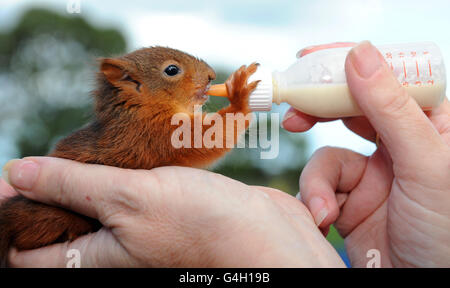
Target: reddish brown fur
{"type": "Point", "coordinates": [131, 129]}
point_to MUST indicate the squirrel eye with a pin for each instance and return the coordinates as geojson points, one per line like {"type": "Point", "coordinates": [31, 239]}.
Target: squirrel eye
{"type": "Point", "coordinates": [172, 70]}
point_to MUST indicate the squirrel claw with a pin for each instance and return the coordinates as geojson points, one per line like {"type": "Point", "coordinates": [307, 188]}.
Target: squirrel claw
{"type": "Point", "coordinates": [238, 88]}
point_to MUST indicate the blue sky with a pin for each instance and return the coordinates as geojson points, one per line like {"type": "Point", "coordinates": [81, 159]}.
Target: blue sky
{"type": "Point", "coordinates": [231, 33]}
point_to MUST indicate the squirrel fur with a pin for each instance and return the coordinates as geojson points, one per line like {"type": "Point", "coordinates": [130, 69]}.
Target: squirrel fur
{"type": "Point", "coordinates": [135, 98]}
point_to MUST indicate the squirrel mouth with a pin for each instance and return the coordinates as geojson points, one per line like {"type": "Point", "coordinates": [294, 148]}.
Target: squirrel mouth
{"type": "Point", "coordinates": [201, 95]}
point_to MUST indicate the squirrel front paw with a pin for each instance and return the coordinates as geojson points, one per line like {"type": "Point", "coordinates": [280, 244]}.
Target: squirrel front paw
{"type": "Point", "coordinates": [238, 89]}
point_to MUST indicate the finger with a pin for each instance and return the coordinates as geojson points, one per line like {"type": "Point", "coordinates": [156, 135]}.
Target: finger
{"type": "Point", "coordinates": [98, 249]}
{"type": "Point", "coordinates": [300, 218]}
{"type": "Point", "coordinates": [330, 170]}
{"type": "Point", "coordinates": [232, 81]}
{"type": "Point", "coordinates": [403, 127]}
{"type": "Point", "coordinates": [349, 186]}
{"type": "Point", "coordinates": [288, 203]}
{"type": "Point", "coordinates": [440, 117]}
{"type": "Point", "coordinates": [92, 190]}
{"type": "Point", "coordinates": [252, 68]}
{"type": "Point", "coordinates": [361, 126]}
{"type": "Point", "coordinates": [368, 195]}
{"type": "Point", "coordinates": [297, 121]}
{"type": "Point", "coordinates": [252, 85]}
{"type": "Point", "coordinates": [6, 190]}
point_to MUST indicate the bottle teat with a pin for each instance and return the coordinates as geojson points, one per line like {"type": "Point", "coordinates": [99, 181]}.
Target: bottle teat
{"type": "Point", "coordinates": [219, 90]}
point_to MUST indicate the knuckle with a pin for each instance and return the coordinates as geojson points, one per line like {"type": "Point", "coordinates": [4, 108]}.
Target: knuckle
{"type": "Point", "coordinates": [64, 186]}
{"type": "Point", "coordinates": [137, 192]}
{"type": "Point", "coordinates": [395, 102]}
{"type": "Point", "coordinates": [310, 183]}
{"type": "Point", "coordinates": [442, 124]}
{"type": "Point", "coordinates": [302, 185]}
{"type": "Point", "coordinates": [306, 181]}
{"type": "Point", "coordinates": [325, 151]}
{"type": "Point", "coordinates": [127, 196]}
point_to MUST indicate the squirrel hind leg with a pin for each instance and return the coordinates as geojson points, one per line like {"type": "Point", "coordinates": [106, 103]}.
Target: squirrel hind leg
{"type": "Point", "coordinates": [31, 225]}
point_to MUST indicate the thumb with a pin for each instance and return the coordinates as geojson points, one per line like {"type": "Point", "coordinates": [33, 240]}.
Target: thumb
{"type": "Point", "coordinates": [99, 249]}
{"type": "Point", "coordinates": [91, 190]}
{"type": "Point", "coordinates": [404, 129]}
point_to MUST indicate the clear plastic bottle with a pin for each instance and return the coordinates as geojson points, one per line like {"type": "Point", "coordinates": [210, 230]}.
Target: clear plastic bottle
{"type": "Point", "coordinates": [316, 83]}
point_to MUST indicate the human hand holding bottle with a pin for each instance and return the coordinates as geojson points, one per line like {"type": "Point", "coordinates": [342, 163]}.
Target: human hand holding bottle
{"type": "Point", "coordinates": [398, 199]}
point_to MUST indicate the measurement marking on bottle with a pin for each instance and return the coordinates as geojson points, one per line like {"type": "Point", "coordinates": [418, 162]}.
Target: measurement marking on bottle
{"type": "Point", "coordinates": [429, 67]}
{"type": "Point", "coordinates": [417, 69]}
{"type": "Point", "coordinates": [404, 68]}
{"type": "Point", "coordinates": [407, 58]}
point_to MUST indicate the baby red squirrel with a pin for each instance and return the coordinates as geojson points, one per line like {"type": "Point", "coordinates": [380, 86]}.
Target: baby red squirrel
{"type": "Point", "coordinates": [136, 96]}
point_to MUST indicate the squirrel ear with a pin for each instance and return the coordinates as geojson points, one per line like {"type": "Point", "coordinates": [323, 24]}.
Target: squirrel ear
{"type": "Point", "coordinates": [113, 69]}
{"type": "Point", "coordinates": [116, 70]}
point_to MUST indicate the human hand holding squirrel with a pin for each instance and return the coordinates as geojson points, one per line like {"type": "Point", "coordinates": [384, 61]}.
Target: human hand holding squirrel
{"type": "Point", "coordinates": [169, 217]}
{"type": "Point", "coordinates": [136, 96]}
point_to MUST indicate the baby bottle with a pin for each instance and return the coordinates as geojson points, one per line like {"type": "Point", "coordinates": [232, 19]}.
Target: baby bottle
{"type": "Point", "coordinates": [316, 83]}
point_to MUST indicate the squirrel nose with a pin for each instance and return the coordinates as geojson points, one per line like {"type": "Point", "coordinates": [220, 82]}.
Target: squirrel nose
{"type": "Point", "coordinates": [211, 74]}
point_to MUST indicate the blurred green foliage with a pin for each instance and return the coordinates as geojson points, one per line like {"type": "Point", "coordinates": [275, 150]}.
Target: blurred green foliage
{"type": "Point", "coordinates": [46, 63]}
{"type": "Point", "coordinates": [36, 22]}
{"type": "Point", "coordinates": [47, 67]}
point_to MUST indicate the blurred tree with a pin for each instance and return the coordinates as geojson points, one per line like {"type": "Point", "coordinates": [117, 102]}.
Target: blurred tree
{"type": "Point", "coordinates": [46, 67]}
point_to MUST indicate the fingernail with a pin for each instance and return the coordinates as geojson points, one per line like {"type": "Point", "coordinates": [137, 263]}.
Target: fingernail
{"type": "Point", "coordinates": [21, 173]}
{"type": "Point", "coordinates": [5, 170]}
{"type": "Point", "coordinates": [366, 59]}
{"type": "Point", "coordinates": [321, 216]}
{"type": "Point", "coordinates": [299, 196]}
{"type": "Point", "coordinates": [318, 209]}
